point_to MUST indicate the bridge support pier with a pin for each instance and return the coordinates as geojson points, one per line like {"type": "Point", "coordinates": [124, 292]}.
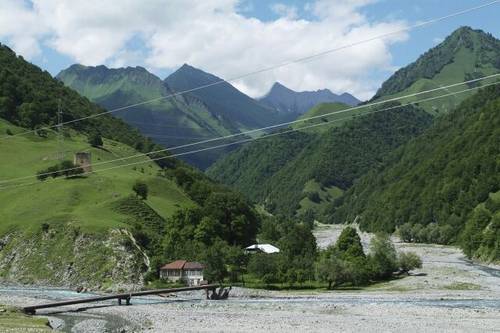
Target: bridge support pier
{"type": "Point", "coordinates": [127, 300]}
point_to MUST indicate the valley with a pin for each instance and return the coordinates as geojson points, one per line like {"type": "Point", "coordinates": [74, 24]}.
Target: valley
{"type": "Point", "coordinates": [213, 175]}
{"type": "Point", "coordinates": [453, 295]}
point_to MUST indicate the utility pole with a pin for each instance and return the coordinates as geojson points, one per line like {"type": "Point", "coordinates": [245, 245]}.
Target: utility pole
{"type": "Point", "coordinates": [59, 131]}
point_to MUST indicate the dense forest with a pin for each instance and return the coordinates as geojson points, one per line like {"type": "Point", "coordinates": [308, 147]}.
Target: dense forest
{"type": "Point", "coordinates": [275, 171]}
{"type": "Point", "coordinates": [30, 97]}
{"type": "Point", "coordinates": [440, 187]}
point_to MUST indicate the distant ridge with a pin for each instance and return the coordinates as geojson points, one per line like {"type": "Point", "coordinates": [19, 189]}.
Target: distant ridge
{"type": "Point", "coordinates": [212, 112]}
{"type": "Point", "coordinates": [286, 100]}
{"type": "Point", "coordinates": [235, 109]}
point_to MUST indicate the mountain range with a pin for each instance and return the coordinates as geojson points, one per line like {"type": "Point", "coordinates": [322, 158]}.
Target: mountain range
{"type": "Point", "coordinates": [173, 119]}
{"type": "Point", "coordinates": [329, 158]}
{"type": "Point", "coordinates": [292, 102]}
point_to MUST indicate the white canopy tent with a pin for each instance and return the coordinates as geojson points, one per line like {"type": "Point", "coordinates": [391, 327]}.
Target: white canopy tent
{"type": "Point", "coordinates": [266, 248]}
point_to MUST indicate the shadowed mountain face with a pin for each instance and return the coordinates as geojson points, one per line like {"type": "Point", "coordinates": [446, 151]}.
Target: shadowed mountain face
{"type": "Point", "coordinates": [235, 109]}
{"type": "Point", "coordinates": [172, 121]}
{"type": "Point", "coordinates": [288, 101]}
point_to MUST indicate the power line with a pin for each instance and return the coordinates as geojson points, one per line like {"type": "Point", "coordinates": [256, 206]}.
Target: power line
{"type": "Point", "coordinates": [309, 118]}
{"type": "Point", "coordinates": [237, 142]}
{"type": "Point", "coordinates": [266, 69]}
{"type": "Point", "coordinates": [282, 124]}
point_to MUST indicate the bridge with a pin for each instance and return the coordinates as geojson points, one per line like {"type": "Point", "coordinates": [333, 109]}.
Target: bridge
{"type": "Point", "coordinates": [210, 288]}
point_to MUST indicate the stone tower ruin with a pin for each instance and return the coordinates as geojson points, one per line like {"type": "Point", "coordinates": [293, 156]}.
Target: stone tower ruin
{"type": "Point", "coordinates": [84, 161]}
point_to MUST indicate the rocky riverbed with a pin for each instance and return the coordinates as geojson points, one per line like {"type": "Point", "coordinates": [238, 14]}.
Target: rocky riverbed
{"type": "Point", "coordinates": [449, 294]}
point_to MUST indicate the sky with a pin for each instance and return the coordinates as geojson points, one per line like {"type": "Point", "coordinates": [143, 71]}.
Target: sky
{"type": "Point", "coordinates": [232, 37]}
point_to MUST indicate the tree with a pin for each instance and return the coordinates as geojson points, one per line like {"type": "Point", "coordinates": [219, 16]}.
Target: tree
{"type": "Point", "coordinates": [383, 256]}
{"type": "Point", "coordinates": [207, 230]}
{"type": "Point", "coordinates": [314, 197]}
{"type": "Point", "coordinates": [95, 140]}
{"type": "Point", "coordinates": [239, 223]}
{"type": "Point", "coordinates": [65, 168]}
{"type": "Point", "coordinates": [141, 189]}
{"type": "Point", "coordinates": [262, 264]}
{"type": "Point", "coordinates": [408, 261]}
{"type": "Point", "coordinates": [405, 232]}
{"type": "Point", "coordinates": [333, 271]}
{"type": "Point", "coordinates": [215, 267]}
{"type": "Point", "coordinates": [42, 175]}
{"type": "Point", "coordinates": [348, 244]}
{"type": "Point", "coordinates": [68, 169]}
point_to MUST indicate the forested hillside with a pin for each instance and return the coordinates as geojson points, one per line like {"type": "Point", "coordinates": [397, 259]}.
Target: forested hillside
{"type": "Point", "coordinates": [107, 228]}
{"type": "Point", "coordinates": [297, 171]}
{"type": "Point", "coordinates": [464, 55]}
{"type": "Point", "coordinates": [29, 97]}
{"type": "Point", "coordinates": [312, 173]}
{"type": "Point", "coordinates": [442, 186]}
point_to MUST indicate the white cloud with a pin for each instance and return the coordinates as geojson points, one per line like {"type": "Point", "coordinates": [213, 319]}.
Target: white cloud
{"type": "Point", "coordinates": [211, 35]}
{"type": "Point", "coordinates": [20, 26]}
{"type": "Point", "coordinates": [284, 10]}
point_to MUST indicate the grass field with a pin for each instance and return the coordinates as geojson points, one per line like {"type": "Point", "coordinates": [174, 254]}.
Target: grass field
{"type": "Point", "coordinates": [12, 320]}
{"type": "Point", "coordinates": [323, 109]}
{"type": "Point", "coordinates": [450, 74]}
{"type": "Point", "coordinates": [86, 201]}
{"type": "Point", "coordinates": [326, 195]}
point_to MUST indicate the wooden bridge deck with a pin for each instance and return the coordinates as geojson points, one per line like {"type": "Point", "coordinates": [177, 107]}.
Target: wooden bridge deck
{"type": "Point", "coordinates": [124, 296]}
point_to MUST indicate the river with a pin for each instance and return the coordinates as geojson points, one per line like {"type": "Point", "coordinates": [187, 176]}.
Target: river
{"type": "Point", "coordinates": [453, 295]}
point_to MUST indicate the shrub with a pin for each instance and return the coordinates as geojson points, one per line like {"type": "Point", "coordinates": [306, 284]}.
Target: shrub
{"type": "Point", "coordinates": [65, 168]}
{"type": "Point", "coordinates": [408, 261]}
{"type": "Point", "coordinates": [95, 140]}
{"type": "Point", "coordinates": [314, 197]}
{"type": "Point", "coordinates": [141, 190]}
{"type": "Point", "coordinates": [405, 232]}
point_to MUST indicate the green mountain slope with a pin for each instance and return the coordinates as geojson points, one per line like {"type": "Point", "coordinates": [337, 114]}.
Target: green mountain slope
{"type": "Point", "coordinates": [447, 178]}
{"type": "Point", "coordinates": [236, 110]}
{"type": "Point", "coordinates": [167, 121]}
{"type": "Point", "coordinates": [282, 171]}
{"type": "Point", "coordinates": [321, 115]}
{"type": "Point", "coordinates": [332, 165]}
{"type": "Point", "coordinates": [89, 230]}
{"type": "Point", "coordinates": [212, 112]}
{"type": "Point", "coordinates": [464, 55]}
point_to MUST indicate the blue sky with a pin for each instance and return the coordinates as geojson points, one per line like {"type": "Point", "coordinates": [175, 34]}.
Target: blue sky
{"type": "Point", "coordinates": [231, 37]}
{"type": "Point", "coordinates": [487, 19]}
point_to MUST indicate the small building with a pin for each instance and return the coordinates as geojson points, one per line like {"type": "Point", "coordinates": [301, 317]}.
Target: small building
{"type": "Point", "coordinates": [84, 161]}
{"type": "Point", "coordinates": [182, 270]}
{"type": "Point", "coordinates": [262, 248]}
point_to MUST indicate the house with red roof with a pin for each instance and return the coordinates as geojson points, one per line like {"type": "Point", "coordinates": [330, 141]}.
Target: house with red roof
{"type": "Point", "coordinates": [182, 270]}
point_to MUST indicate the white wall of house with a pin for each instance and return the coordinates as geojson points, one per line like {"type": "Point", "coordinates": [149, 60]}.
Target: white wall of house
{"type": "Point", "coordinates": [192, 277]}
